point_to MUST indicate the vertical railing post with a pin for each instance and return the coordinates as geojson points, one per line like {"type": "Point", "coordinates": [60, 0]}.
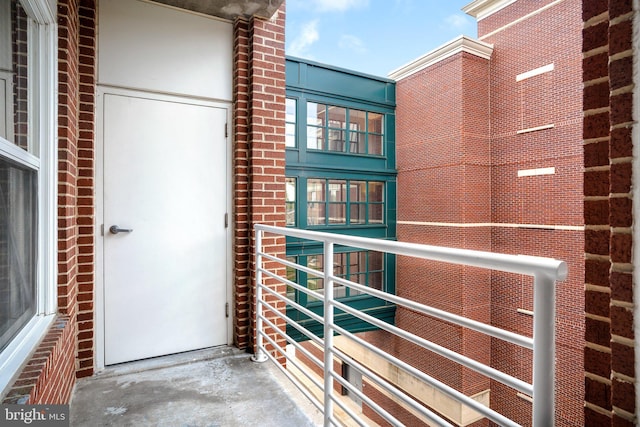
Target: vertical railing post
{"type": "Point", "coordinates": [328, 332]}
{"type": "Point", "coordinates": [259, 355]}
{"type": "Point", "coordinates": [544, 350]}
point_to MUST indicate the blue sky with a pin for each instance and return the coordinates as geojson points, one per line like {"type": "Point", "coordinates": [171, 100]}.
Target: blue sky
{"type": "Point", "coordinates": [372, 36]}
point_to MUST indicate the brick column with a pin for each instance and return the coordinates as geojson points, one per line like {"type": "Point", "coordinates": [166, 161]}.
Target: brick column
{"type": "Point", "coordinates": [86, 185]}
{"type": "Point", "coordinates": [608, 102]}
{"type": "Point", "coordinates": [444, 180]}
{"type": "Point", "coordinates": [259, 155]}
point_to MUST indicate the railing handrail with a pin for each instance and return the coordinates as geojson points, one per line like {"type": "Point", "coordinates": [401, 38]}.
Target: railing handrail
{"type": "Point", "coordinates": [522, 264]}
{"type": "Point", "coordinates": [545, 272]}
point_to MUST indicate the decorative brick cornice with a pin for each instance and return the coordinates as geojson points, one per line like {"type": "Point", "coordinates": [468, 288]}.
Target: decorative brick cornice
{"type": "Point", "coordinates": [457, 45]}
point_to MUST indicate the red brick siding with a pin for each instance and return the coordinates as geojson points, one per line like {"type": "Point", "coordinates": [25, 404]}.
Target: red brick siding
{"type": "Point", "coordinates": [49, 375]}
{"type": "Point", "coordinates": [609, 351]}
{"type": "Point", "coordinates": [259, 95]}
{"type": "Point", "coordinates": [86, 186]}
{"type": "Point", "coordinates": [476, 186]}
{"type": "Point", "coordinates": [452, 149]}
{"type": "Point", "coordinates": [242, 252]}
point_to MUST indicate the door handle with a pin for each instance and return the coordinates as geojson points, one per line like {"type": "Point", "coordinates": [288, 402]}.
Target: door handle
{"type": "Point", "coordinates": [114, 229]}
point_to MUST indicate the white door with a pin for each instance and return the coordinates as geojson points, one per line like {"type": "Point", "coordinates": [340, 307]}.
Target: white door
{"type": "Point", "coordinates": [164, 179]}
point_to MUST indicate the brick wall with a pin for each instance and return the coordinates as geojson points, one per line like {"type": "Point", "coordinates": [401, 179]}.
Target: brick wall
{"type": "Point", "coordinates": [85, 185]}
{"type": "Point", "coordinates": [451, 148]}
{"type": "Point", "coordinates": [259, 100]}
{"type": "Point", "coordinates": [49, 375]}
{"type": "Point", "coordinates": [609, 354]}
{"type": "Point", "coordinates": [478, 182]}
{"type": "Point", "coordinates": [541, 37]}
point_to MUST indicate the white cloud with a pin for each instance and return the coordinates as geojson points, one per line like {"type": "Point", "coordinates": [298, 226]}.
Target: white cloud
{"type": "Point", "coordinates": [302, 42]}
{"type": "Point", "coordinates": [352, 43]}
{"type": "Point", "coordinates": [456, 21]}
{"type": "Point", "coordinates": [338, 5]}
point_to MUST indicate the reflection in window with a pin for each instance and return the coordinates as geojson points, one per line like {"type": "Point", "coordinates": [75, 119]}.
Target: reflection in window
{"type": "Point", "coordinates": [363, 267]}
{"type": "Point", "coordinates": [290, 123]}
{"type": "Point", "coordinates": [290, 201]}
{"type": "Point", "coordinates": [14, 107]}
{"type": "Point", "coordinates": [344, 130]}
{"type": "Point", "coordinates": [292, 275]}
{"type": "Point", "coordinates": [363, 200]}
{"type": "Point", "coordinates": [18, 243]}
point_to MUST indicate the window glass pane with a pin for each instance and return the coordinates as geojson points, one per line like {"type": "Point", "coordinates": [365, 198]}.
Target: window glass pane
{"type": "Point", "coordinates": [358, 213]}
{"type": "Point", "coordinates": [337, 117]}
{"type": "Point", "coordinates": [337, 213]}
{"type": "Point", "coordinates": [337, 190]}
{"type": "Point", "coordinates": [357, 120]}
{"type": "Point", "coordinates": [14, 107]}
{"type": "Point", "coordinates": [358, 191]}
{"type": "Point", "coordinates": [357, 143]}
{"type": "Point", "coordinates": [376, 214]}
{"type": "Point", "coordinates": [18, 244]}
{"type": "Point", "coordinates": [336, 140]}
{"type": "Point", "coordinates": [290, 201]}
{"type": "Point", "coordinates": [315, 190]}
{"type": "Point", "coordinates": [375, 144]}
{"type": "Point", "coordinates": [315, 138]}
{"type": "Point", "coordinates": [376, 192]}
{"type": "Point", "coordinates": [316, 202]}
{"type": "Point", "coordinates": [290, 135]}
{"type": "Point", "coordinates": [314, 283]}
{"type": "Point", "coordinates": [375, 123]}
{"type": "Point", "coordinates": [290, 114]}
{"type": "Point", "coordinates": [292, 275]}
{"type": "Point", "coordinates": [316, 114]}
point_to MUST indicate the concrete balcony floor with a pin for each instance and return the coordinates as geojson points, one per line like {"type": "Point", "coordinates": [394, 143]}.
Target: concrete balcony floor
{"type": "Point", "coordinates": [214, 387]}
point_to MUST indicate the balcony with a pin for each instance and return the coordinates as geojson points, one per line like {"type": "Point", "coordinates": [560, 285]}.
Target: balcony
{"type": "Point", "coordinates": [365, 384]}
{"type": "Point", "coordinates": [354, 381]}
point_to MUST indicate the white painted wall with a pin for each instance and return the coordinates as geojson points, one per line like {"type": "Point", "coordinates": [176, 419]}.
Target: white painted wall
{"type": "Point", "coordinates": [151, 47]}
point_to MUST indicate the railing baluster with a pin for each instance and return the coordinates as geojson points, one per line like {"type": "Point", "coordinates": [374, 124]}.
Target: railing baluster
{"type": "Point", "coordinates": [259, 356]}
{"type": "Point", "coordinates": [544, 309]}
{"type": "Point", "coordinates": [328, 332]}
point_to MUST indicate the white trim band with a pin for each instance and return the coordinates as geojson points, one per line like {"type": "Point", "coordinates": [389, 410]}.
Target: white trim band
{"type": "Point", "coordinates": [494, 224]}
{"type": "Point", "coordinates": [536, 172]}
{"type": "Point", "coordinates": [535, 72]}
{"type": "Point", "coordinates": [537, 128]}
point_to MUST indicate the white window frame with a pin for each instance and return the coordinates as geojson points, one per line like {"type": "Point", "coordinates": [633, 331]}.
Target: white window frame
{"type": "Point", "coordinates": [42, 71]}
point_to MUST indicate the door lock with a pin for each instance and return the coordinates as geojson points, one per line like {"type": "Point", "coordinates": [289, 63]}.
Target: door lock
{"type": "Point", "coordinates": [114, 229]}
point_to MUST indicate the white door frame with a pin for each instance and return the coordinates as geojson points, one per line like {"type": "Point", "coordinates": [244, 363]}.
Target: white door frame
{"type": "Point", "coordinates": [99, 310]}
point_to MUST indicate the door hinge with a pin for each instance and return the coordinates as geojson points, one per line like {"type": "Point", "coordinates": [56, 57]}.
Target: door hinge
{"type": "Point", "coordinates": [226, 309]}
{"type": "Point", "coordinates": [226, 130]}
{"type": "Point", "coordinates": [226, 220]}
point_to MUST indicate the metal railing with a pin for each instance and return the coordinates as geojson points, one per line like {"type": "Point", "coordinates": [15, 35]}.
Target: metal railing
{"type": "Point", "coordinates": [545, 272]}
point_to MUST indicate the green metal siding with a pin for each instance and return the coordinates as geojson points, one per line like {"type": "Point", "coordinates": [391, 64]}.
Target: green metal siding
{"type": "Point", "coordinates": [308, 81]}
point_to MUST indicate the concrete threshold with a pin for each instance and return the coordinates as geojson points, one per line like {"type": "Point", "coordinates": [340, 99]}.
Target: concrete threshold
{"type": "Point", "coordinates": [214, 387]}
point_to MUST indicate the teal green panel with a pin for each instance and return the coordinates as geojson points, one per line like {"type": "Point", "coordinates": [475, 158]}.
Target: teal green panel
{"type": "Point", "coordinates": [309, 76]}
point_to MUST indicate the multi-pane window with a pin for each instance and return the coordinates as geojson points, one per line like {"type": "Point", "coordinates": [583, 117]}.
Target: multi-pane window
{"type": "Point", "coordinates": [362, 267]}
{"type": "Point", "coordinates": [18, 178]}
{"type": "Point", "coordinates": [27, 179]}
{"type": "Point", "coordinates": [345, 130]}
{"type": "Point", "coordinates": [346, 202]}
